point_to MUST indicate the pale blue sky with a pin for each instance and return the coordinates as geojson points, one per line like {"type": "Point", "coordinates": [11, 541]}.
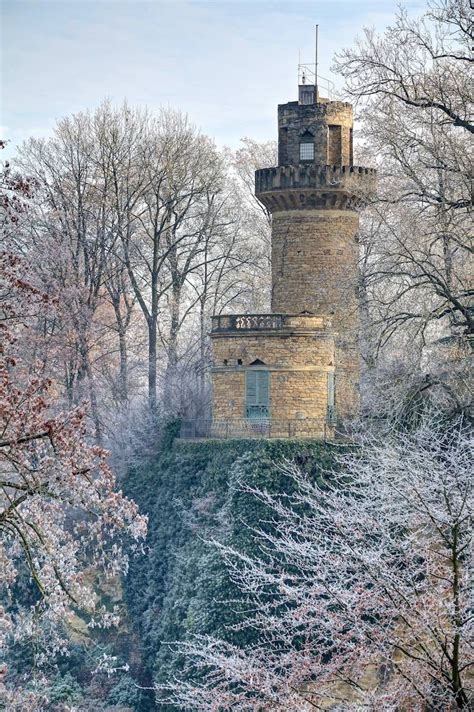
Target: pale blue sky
{"type": "Point", "coordinates": [227, 64]}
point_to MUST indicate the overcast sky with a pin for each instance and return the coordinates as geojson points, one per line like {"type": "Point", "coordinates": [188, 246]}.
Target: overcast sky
{"type": "Point", "coordinates": [227, 64]}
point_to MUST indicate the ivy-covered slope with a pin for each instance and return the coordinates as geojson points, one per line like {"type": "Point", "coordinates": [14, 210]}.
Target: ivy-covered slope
{"type": "Point", "coordinates": [190, 492]}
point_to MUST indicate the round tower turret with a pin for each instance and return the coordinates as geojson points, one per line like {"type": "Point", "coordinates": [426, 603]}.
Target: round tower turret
{"type": "Point", "coordinates": [314, 196]}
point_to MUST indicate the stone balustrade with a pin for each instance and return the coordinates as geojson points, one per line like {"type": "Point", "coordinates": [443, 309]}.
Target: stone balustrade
{"type": "Point", "coordinates": [265, 322]}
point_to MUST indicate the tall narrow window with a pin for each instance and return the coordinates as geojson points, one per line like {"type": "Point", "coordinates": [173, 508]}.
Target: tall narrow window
{"type": "Point", "coordinates": [334, 145]}
{"type": "Point", "coordinates": [331, 397]}
{"type": "Point", "coordinates": [257, 395]}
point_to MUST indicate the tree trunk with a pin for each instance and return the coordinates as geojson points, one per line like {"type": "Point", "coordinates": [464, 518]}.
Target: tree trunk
{"type": "Point", "coordinates": [366, 337]}
{"type": "Point", "coordinates": [172, 364]}
{"type": "Point", "coordinates": [123, 372]}
{"type": "Point", "coordinates": [94, 404]}
{"type": "Point", "coordinates": [86, 370]}
{"type": "Point", "coordinates": [122, 323]}
{"type": "Point", "coordinates": [202, 404]}
{"type": "Point", "coordinates": [458, 689]}
{"type": "Point", "coordinates": [152, 331]}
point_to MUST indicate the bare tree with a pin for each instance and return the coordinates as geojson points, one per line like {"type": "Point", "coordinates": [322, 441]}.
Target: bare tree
{"type": "Point", "coordinates": [162, 232]}
{"type": "Point", "coordinates": [257, 219]}
{"type": "Point", "coordinates": [59, 512]}
{"type": "Point", "coordinates": [412, 90]}
{"type": "Point", "coordinates": [359, 592]}
{"type": "Point", "coordinates": [152, 230]}
{"type": "Point", "coordinates": [74, 220]}
{"type": "Point", "coordinates": [421, 64]}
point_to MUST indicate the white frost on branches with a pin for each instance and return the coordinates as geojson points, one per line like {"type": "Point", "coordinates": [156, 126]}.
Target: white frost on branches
{"type": "Point", "coordinates": [359, 592]}
{"type": "Point", "coordinates": [61, 518]}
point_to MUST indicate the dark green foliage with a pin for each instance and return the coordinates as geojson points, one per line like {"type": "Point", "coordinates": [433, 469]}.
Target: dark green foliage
{"type": "Point", "coordinates": [192, 495]}
{"type": "Point", "coordinates": [170, 432]}
{"type": "Point", "coordinates": [64, 688]}
{"type": "Point", "coordinates": [125, 693]}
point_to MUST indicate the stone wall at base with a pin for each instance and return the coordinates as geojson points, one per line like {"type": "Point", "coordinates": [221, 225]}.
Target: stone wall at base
{"type": "Point", "coordinates": [298, 365]}
{"type": "Point", "coordinates": [294, 395]}
{"type": "Point", "coordinates": [298, 359]}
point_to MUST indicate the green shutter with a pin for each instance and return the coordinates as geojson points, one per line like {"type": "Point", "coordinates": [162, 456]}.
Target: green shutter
{"type": "Point", "coordinates": [257, 394]}
{"type": "Point", "coordinates": [263, 394]}
{"type": "Point", "coordinates": [251, 393]}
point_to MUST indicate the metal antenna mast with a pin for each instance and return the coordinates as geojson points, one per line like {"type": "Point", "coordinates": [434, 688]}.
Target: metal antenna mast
{"type": "Point", "coordinates": [316, 66]}
{"type": "Point", "coordinates": [310, 70]}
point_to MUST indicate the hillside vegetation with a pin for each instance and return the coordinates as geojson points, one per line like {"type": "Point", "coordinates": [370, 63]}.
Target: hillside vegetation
{"type": "Point", "coordinates": [190, 492]}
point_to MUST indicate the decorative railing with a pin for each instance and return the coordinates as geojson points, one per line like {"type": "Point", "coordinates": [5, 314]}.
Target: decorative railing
{"type": "Point", "coordinates": [257, 412]}
{"type": "Point", "coordinates": [247, 322]}
{"type": "Point", "coordinates": [266, 322]}
{"type": "Point", "coordinates": [259, 321]}
{"type": "Point", "coordinates": [317, 428]}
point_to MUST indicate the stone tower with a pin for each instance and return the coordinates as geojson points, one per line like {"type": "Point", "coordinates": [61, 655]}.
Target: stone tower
{"type": "Point", "coordinates": [295, 372]}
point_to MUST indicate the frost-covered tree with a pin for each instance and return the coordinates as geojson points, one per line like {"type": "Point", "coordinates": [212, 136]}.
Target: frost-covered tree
{"type": "Point", "coordinates": [153, 229]}
{"type": "Point", "coordinates": [412, 89]}
{"type": "Point", "coordinates": [61, 517]}
{"type": "Point", "coordinates": [360, 591]}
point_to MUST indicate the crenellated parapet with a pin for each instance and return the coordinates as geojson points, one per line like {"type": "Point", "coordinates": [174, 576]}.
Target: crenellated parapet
{"type": "Point", "coordinates": [306, 187]}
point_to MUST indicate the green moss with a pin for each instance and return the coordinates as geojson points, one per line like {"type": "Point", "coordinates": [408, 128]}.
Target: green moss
{"type": "Point", "coordinates": [191, 493]}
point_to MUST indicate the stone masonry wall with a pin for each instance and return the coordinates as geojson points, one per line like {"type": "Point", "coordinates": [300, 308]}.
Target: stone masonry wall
{"type": "Point", "coordinates": [294, 394]}
{"type": "Point", "coordinates": [314, 263]}
{"type": "Point", "coordinates": [298, 366]}
{"type": "Point", "coordinates": [295, 119]}
{"type": "Point", "coordinates": [276, 348]}
{"type": "Point", "coordinates": [315, 269]}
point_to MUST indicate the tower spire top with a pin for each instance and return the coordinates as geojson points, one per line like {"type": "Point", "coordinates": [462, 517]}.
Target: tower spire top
{"type": "Point", "coordinates": [310, 79]}
{"type": "Point", "coordinates": [316, 65]}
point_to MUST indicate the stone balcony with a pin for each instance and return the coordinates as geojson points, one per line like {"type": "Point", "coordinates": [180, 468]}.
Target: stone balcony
{"type": "Point", "coordinates": [228, 324]}
{"type": "Point", "coordinates": [304, 187]}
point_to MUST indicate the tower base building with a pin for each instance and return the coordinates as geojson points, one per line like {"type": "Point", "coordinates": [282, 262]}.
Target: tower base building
{"type": "Point", "coordinates": [295, 372]}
